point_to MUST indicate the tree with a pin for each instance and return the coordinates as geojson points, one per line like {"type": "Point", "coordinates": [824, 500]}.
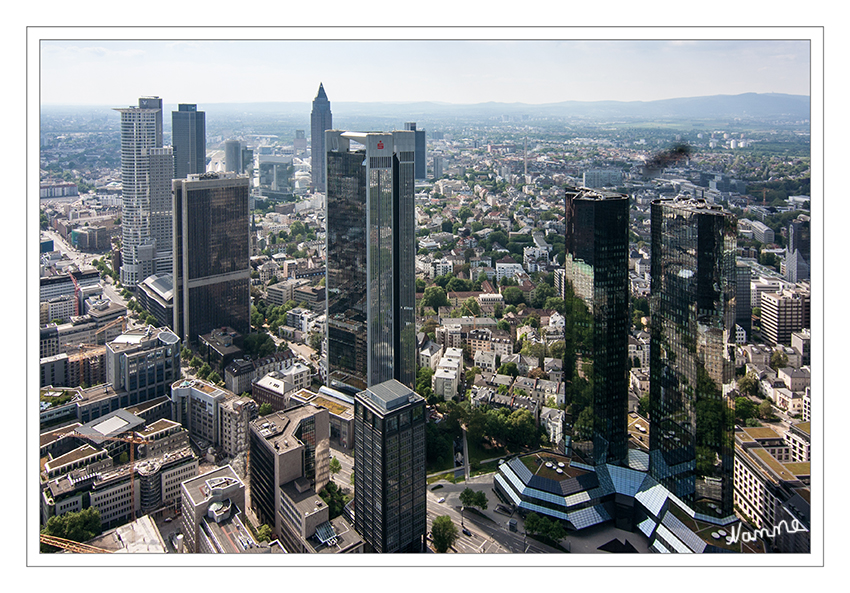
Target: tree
{"type": "Point", "coordinates": [509, 368]}
{"type": "Point", "coordinates": [778, 360]}
{"type": "Point", "coordinates": [335, 466]}
{"type": "Point", "coordinates": [265, 409]}
{"type": "Point", "coordinates": [643, 406]}
{"type": "Point", "coordinates": [76, 526]}
{"type": "Point", "coordinates": [512, 295]}
{"type": "Point", "coordinates": [473, 498]}
{"type": "Point", "coordinates": [264, 533]}
{"type": "Point", "coordinates": [435, 297]}
{"type": "Point", "coordinates": [765, 410]}
{"type": "Point", "coordinates": [204, 371]}
{"type": "Point", "coordinates": [745, 409]}
{"type": "Point", "coordinates": [444, 533]}
{"type": "Point", "coordinates": [749, 384]}
{"type": "Point", "coordinates": [214, 378]}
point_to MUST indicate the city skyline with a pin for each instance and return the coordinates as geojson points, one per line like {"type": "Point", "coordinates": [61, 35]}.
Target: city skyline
{"type": "Point", "coordinates": [524, 71]}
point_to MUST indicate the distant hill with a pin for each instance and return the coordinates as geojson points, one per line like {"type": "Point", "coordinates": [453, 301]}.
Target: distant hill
{"type": "Point", "coordinates": [747, 105]}
{"type": "Point", "coordinates": [756, 106]}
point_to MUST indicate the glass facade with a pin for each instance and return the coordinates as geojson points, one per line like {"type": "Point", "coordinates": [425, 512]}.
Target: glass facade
{"type": "Point", "coordinates": [211, 267]}
{"type": "Point", "coordinates": [370, 270]}
{"type": "Point", "coordinates": [389, 468]}
{"type": "Point", "coordinates": [189, 139]}
{"type": "Point", "coordinates": [693, 298]}
{"type": "Point", "coordinates": [597, 323]}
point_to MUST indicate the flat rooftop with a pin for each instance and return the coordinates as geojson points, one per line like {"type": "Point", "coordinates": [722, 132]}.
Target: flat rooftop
{"type": "Point", "coordinates": [278, 428]}
{"type": "Point", "coordinates": [755, 433]}
{"type": "Point", "coordinates": [196, 487]}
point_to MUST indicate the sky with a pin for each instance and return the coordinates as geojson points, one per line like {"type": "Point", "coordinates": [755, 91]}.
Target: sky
{"type": "Point", "coordinates": [116, 72]}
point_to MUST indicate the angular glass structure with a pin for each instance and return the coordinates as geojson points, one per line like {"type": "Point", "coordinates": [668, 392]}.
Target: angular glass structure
{"type": "Point", "coordinates": [371, 249]}
{"type": "Point", "coordinates": [597, 323]}
{"type": "Point", "coordinates": [692, 352]}
{"type": "Point", "coordinates": [389, 468]}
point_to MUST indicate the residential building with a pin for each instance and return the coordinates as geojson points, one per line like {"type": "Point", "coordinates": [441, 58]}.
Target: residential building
{"type": "Point", "coordinates": [597, 325]}
{"type": "Point", "coordinates": [212, 273]}
{"type": "Point", "coordinates": [235, 414]}
{"type": "Point", "coordinates": [272, 389]}
{"type": "Point", "coordinates": [146, 172]}
{"type": "Point", "coordinates": [321, 120]}
{"type": "Point", "coordinates": [371, 252]}
{"type": "Point", "coordinates": [692, 351]}
{"type": "Point", "coordinates": [189, 140]}
{"type": "Point", "coordinates": [389, 468]}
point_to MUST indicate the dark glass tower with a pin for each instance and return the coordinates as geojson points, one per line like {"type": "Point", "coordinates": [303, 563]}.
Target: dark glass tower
{"type": "Point", "coordinates": [212, 275]}
{"type": "Point", "coordinates": [189, 139]}
{"type": "Point", "coordinates": [371, 249]}
{"type": "Point", "coordinates": [692, 352]}
{"type": "Point", "coordinates": [597, 322]}
{"type": "Point", "coordinates": [321, 119]}
{"type": "Point", "coordinates": [389, 468]}
{"type": "Point", "coordinates": [419, 157]}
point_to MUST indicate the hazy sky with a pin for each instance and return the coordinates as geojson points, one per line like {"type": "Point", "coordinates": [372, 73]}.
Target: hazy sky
{"type": "Point", "coordinates": [204, 72]}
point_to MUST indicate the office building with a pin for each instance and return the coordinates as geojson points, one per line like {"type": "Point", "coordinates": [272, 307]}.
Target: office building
{"type": "Point", "coordinates": [233, 156]}
{"type": "Point", "coordinates": [371, 259]}
{"type": "Point", "coordinates": [596, 272]}
{"type": "Point", "coordinates": [692, 351]}
{"type": "Point", "coordinates": [389, 468]}
{"type": "Point", "coordinates": [321, 119]}
{"type": "Point", "coordinates": [141, 364]}
{"type": "Point", "coordinates": [419, 151]}
{"type": "Point", "coordinates": [799, 252]}
{"type": "Point", "coordinates": [212, 273]}
{"type": "Point", "coordinates": [189, 141]}
{"type": "Point", "coordinates": [146, 172]}
{"type": "Point", "coordinates": [287, 447]}
{"type": "Point", "coordinates": [783, 313]}
{"type": "Point", "coordinates": [743, 294]}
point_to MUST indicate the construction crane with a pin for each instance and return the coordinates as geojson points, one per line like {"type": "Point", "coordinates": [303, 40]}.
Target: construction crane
{"type": "Point", "coordinates": [132, 440]}
{"type": "Point", "coordinates": [70, 545]}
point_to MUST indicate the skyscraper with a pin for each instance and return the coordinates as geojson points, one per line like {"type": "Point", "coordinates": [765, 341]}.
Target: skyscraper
{"type": "Point", "coordinates": [389, 468]}
{"type": "Point", "coordinates": [799, 252]}
{"type": "Point", "coordinates": [189, 139]}
{"type": "Point", "coordinates": [212, 275]}
{"type": "Point", "coordinates": [321, 120]}
{"type": "Point", "coordinates": [146, 171]}
{"type": "Point", "coordinates": [692, 352]}
{"type": "Point", "coordinates": [596, 271]}
{"type": "Point", "coordinates": [419, 156]}
{"type": "Point", "coordinates": [233, 156]}
{"type": "Point", "coordinates": [371, 248]}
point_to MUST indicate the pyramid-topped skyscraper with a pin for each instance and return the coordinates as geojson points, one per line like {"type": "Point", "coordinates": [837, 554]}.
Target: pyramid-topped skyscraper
{"type": "Point", "coordinates": [321, 119]}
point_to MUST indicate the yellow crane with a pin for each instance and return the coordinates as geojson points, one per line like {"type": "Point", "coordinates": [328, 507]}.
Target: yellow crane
{"type": "Point", "coordinates": [70, 545]}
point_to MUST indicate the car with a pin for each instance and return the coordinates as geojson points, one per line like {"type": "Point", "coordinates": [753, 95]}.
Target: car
{"type": "Point", "coordinates": [466, 532]}
{"type": "Point", "coordinates": [169, 519]}
{"type": "Point", "coordinates": [441, 499]}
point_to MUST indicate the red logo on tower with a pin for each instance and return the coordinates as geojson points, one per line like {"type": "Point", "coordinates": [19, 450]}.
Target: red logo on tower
{"type": "Point", "coordinates": [380, 145]}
